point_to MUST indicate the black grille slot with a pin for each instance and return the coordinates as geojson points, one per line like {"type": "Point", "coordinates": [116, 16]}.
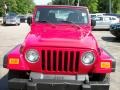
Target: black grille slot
{"type": "Point", "coordinates": [43, 60]}
{"type": "Point", "coordinates": [65, 60]}
{"type": "Point", "coordinates": [71, 61]}
{"type": "Point", "coordinates": [77, 61]}
{"type": "Point", "coordinates": [60, 61]}
{"type": "Point", "coordinates": [48, 61]}
{"type": "Point", "coordinates": [54, 60]}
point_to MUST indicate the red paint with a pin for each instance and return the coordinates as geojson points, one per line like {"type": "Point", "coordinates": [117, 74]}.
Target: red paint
{"type": "Point", "coordinates": [61, 37]}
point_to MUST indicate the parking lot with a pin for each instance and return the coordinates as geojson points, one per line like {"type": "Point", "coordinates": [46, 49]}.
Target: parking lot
{"type": "Point", "coordinates": [10, 36]}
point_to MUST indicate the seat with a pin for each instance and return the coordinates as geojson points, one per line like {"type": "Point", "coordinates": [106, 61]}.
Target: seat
{"type": "Point", "coordinates": [52, 18]}
{"type": "Point", "coordinates": [74, 17]}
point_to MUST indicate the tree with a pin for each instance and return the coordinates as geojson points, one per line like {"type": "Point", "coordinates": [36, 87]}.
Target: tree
{"type": "Point", "coordinates": [116, 6]}
{"type": "Point", "coordinates": [12, 5]}
{"type": "Point", "coordinates": [24, 6]}
{"type": "Point", "coordinates": [1, 7]}
{"type": "Point", "coordinates": [104, 6]}
{"type": "Point", "coordinates": [91, 4]}
{"type": "Point", "coordinates": [17, 6]}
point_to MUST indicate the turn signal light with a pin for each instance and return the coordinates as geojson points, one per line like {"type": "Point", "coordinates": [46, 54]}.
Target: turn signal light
{"type": "Point", "coordinates": [14, 61]}
{"type": "Point", "coordinates": [105, 64]}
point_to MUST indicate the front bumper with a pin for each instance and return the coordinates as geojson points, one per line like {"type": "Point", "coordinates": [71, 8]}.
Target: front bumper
{"type": "Point", "coordinates": [10, 22]}
{"type": "Point", "coordinates": [24, 84]}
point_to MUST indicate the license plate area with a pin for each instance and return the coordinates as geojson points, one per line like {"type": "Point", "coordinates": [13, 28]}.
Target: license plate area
{"type": "Point", "coordinates": [51, 87]}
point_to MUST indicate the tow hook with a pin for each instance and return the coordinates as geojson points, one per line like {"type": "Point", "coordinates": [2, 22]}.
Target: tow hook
{"type": "Point", "coordinates": [30, 80]}
{"type": "Point", "coordinates": [86, 85]}
{"type": "Point", "coordinates": [31, 85]}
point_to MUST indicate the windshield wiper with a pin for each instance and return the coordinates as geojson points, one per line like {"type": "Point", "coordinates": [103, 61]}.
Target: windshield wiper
{"type": "Point", "coordinates": [45, 21]}
{"type": "Point", "coordinates": [67, 22]}
{"type": "Point", "coordinates": [71, 23]}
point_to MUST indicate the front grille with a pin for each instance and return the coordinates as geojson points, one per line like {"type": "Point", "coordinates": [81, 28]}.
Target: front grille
{"type": "Point", "coordinates": [60, 61]}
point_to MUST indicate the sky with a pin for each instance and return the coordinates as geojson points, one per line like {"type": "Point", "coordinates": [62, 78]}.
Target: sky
{"type": "Point", "coordinates": [41, 2]}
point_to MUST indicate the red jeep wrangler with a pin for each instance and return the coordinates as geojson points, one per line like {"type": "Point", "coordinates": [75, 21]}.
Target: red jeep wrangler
{"type": "Point", "coordinates": [59, 53]}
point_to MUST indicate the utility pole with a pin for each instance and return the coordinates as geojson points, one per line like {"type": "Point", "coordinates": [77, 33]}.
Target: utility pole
{"type": "Point", "coordinates": [52, 2]}
{"type": "Point", "coordinates": [110, 6]}
{"type": "Point", "coordinates": [78, 4]}
{"type": "Point", "coordinates": [68, 2]}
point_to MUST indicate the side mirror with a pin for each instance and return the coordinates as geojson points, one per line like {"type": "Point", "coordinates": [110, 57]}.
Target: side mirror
{"type": "Point", "coordinates": [29, 20]}
{"type": "Point", "coordinates": [93, 22]}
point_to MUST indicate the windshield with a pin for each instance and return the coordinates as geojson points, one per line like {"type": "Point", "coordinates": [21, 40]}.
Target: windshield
{"type": "Point", "coordinates": [62, 15]}
{"type": "Point", "coordinates": [11, 15]}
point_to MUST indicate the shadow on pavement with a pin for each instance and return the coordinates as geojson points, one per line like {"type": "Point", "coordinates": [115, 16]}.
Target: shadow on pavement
{"type": "Point", "coordinates": [100, 29]}
{"type": "Point", "coordinates": [3, 83]}
{"type": "Point", "coordinates": [111, 39]}
{"type": "Point", "coordinates": [9, 25]}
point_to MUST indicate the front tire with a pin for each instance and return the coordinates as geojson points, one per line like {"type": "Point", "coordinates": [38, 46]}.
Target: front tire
{"type": "Point", "coordinates": [17, 74]}
{"type": "Point", "coordinates": [99, 77]}
{"type": "Point", "coordinates": [115, 33]}
{"type": "Point", "coordinates": [4, 23]}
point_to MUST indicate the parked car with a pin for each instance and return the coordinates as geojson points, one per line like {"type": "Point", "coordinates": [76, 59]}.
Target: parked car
{"type": "Point", "coordinates": [23, 18]}
{"type": "Point", "coordinates": [113, 14]}
{"type": "Point", "coordinates": [59, 53]}
{"type": "Point", "coordinates": [104, 22]}
{"type": "Point", "coordinates": [115, 29]}
{"type": "Point", "coordinates": [92, 15]}
{"type": "Point", "coordinates": [11, 19]}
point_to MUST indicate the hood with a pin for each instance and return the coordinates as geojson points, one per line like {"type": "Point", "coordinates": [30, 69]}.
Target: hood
{"type": "Point", "coordinates": [60, 31]}
{"type": "Point", "coordinates": [10, 17]}
{"type": "Point", "coordinates": [62, 35]}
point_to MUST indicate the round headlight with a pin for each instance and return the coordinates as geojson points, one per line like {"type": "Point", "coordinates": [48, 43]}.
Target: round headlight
{"type": "Point", "coordinates": [32, 56]}
{"type": "Point", "coordinates": [88, 58]}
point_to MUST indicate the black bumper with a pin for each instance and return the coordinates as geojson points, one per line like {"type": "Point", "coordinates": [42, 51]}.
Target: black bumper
{"type": "Point", "coordinates": [24, 84]}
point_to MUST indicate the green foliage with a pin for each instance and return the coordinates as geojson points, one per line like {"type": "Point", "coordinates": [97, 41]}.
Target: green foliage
{"type": "Point", "coordinates": [104, 6]}
{"type": "Point", "coordinates": [63, 2]}
{"type": "Point", "coordinates": [24, 6]}
{"type": "Point", "coordinates": [17, 6]}
{"type": "Point", "coordinates": [91, 4]}
{"type": "Point", "coordinates": [116, 6]}
{"type": "Point", "coordinates": [1, 7]}
{"type": "Point", "coordinates": [12, 5]}
{"type": "Point", "coordinates": [101, 6]}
